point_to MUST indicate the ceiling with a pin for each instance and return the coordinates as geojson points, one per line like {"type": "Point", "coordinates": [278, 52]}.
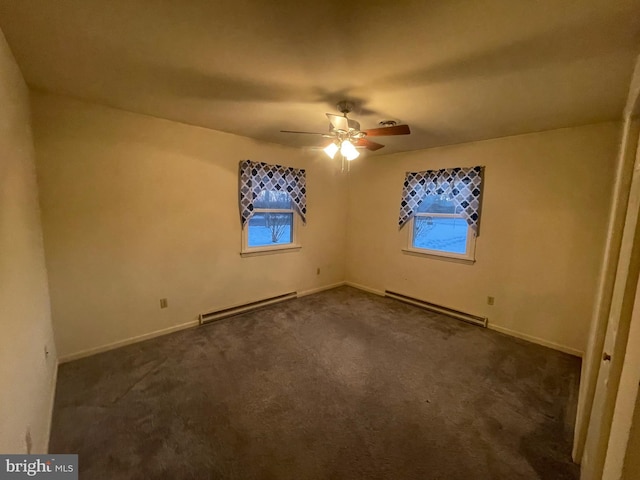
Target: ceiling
{"type": "Point", "coordinates": [454, 70]}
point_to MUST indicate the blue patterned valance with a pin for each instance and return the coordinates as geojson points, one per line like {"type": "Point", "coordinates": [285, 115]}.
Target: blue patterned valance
{"type": "Point", "coordinates": [463, 185]}
{"type": "Point", "coordinates": [257, 176]}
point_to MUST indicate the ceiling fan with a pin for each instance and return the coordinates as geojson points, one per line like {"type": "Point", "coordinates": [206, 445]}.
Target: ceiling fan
{"type": "Point", "coordinates": [346, 134]}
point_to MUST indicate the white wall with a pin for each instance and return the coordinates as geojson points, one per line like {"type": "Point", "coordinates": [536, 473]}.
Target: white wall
{"type": "Point", "coordinates": [137, 208]}
{"type": "Point", "coordinates": [544, 219]}
{"type": "Point", "coordinates": [27, 375]}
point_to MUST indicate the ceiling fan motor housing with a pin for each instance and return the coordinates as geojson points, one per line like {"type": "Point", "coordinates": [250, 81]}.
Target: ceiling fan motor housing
{"type": "Point", "coordinates": [345, 107]}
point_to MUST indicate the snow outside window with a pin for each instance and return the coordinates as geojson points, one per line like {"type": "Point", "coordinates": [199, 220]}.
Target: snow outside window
{"type": "Point", "coordinates": [273, 225]}
{"type": "Point", "coordinates": [438, 228]}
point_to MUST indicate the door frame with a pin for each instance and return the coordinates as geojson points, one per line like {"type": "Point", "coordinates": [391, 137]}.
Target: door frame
{"type": "Point", "coordinates": [605, 361]}
{"type": "Point", "coordinates": [612, 359]}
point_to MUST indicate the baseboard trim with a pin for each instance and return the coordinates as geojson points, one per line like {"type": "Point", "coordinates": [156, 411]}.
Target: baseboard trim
{"type": "Point", "coordinates": [127, 341]}
{"type": "Point", "coordinates": [497, 328]}
{"type": "Point", "coordinates": [195, 323]}
{"type": "Point", "coordinates": [311, 291]}
{"type": "Point", "coordinates": [538, 340]}
{"type": "Point", "coordinates": [365, 288]}
{"type": "Point", "coordinates": [52, 401]}
{"type": "Point", "coordinates": [443, 309]}
{"type": "Point", "coordinates": [239, 309]}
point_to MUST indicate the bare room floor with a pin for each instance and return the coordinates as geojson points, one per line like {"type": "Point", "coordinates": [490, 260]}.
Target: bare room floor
{"type": "Point", "coordinates": [342, 384]}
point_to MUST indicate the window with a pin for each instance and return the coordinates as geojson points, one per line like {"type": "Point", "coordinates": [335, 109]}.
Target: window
{"type": "Point", "coordinates": [272, 202]}
{"type": "Point", "coordinates": [438, 228]}
{"type": "Point", "coordinates": [272, 225]}
{"type": "Point", "coordinates": [442, 209]}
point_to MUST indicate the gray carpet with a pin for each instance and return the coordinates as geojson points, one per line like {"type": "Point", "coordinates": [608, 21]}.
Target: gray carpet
{"type": "Point", "coordinates": [338, 385]}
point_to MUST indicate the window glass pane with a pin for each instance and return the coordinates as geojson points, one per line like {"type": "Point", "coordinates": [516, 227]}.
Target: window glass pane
{"type": "Point", "coordinates": [438, 204]}
{"type": "Point", "coordinates": [445, 234]}
{"type": "Point", "coordinates": [270, 228]}
{"type": "Point", "coordinates": [273, 199]}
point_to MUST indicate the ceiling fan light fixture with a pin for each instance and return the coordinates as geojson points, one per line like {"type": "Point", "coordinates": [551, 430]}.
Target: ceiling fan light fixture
{"type": "Point", "coordinates": [348, 151]}
{"type": "Point", "coordinates": [345, 134]}
{"type": "Point", "coordinates": [331, 150]}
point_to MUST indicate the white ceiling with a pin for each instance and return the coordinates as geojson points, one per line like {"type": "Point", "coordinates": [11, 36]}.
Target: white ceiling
{"type": "Point", "coordinates": [454, 70]}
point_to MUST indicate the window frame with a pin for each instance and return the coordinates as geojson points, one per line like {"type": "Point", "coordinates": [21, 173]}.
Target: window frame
{"type": "Point", "coordinates": [468, 257]}
{"type": "Point", "coordinates": [294, 245]}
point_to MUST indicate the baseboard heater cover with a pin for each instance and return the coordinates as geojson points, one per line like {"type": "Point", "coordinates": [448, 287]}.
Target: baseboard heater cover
{"type": "Point", "coordinates": [467, 317]}
{"type": "Point", "coordinates": [244, 308]}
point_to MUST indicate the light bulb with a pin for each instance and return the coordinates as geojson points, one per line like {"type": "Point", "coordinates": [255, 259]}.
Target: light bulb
{"type": "Point", "coordinates": [348, 151]}
{"type": "Point", "coordinates": [331, 150]}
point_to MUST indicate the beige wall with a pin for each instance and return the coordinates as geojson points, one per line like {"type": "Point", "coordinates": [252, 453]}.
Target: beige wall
{"type": "Point", "coordinates": [137, 208]}
{"type": "Point", "coordinates": [545, 207]}
{"type": "Point", "coordinates": [26, 373]}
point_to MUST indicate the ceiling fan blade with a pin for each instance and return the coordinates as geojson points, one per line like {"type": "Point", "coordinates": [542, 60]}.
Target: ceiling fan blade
{"type": "Point", "coordinates": [339, 122]}
{"type": "Point", "coordinates": [388, 131]}
{"type": "Point", "coordinates": [368, 144]}
{"type": "Point", "coordinates": [295, 131]}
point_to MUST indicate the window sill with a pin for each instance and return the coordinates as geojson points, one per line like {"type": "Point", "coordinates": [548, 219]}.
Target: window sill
{"type": "Point", "coordinates": [436, 256]}
{"type": "Point", "coordinates": [254, 252]}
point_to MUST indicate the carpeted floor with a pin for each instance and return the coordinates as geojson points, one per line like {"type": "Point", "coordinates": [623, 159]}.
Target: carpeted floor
{"type": "Point", "coordinates": [338, 385]}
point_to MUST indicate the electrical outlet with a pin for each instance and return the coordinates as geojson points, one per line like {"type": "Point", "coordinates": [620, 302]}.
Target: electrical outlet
{"type": "Point", "coordinates": [164, 303]}
{"type": "Point", "coordinates": [490, 300]}
{"type": "Point", "coordinates": [318, 271]}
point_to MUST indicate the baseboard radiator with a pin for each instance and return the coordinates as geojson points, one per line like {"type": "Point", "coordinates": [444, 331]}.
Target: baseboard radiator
{"type": "Point", "coordinates": [466, 317]}
{"type": "Point", "coordinates": [244, 308]}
